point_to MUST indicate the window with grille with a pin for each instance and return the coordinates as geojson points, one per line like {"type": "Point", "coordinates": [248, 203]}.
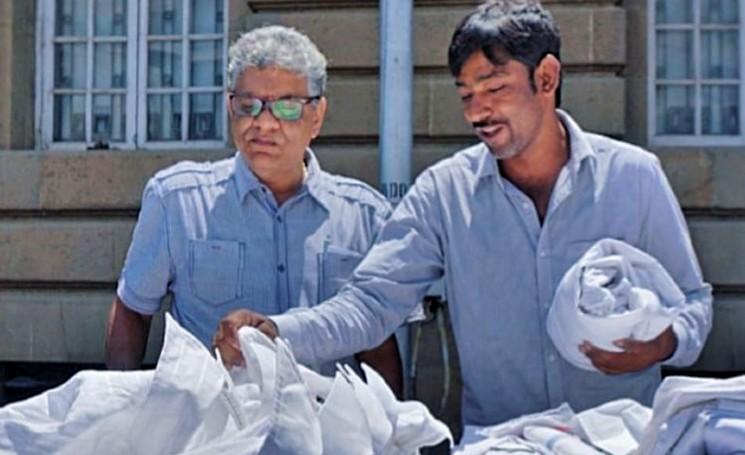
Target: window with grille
{"type": "Point", "coordinates": [697, 72]}
{"type": "Point", "coordinates": [132, 74]}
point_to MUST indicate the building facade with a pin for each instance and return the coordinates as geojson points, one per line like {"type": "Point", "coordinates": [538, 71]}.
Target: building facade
{"type": "Point", "coordinates": [99, 94]}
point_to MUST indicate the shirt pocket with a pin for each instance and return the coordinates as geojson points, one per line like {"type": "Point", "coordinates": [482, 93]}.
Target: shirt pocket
{"type": "Point", "coordinates": [337, 265]}
{"type": "Point", "coordinates": [216, 267]}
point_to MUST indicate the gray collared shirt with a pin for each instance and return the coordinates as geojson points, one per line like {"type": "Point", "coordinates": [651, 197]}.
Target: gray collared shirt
{"type": "Point", "coordinates": [213, 235]}
{"type": "Point", "coordinates": [501, 266]}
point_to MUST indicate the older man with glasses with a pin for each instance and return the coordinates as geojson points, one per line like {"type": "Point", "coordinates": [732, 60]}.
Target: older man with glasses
{"type": "Point", "coordinates": [267, 229]}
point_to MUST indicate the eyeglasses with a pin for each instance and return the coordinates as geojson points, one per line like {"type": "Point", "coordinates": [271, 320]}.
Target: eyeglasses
{"type": "Point", "coordinates": [287, 109]}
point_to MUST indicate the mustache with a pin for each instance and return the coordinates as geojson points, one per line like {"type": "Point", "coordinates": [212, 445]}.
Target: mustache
{"type": "Point", "coordinates": [485, 123]}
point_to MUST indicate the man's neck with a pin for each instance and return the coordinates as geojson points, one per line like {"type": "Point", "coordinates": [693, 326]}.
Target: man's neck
{"type": "Point", "coordinates": [536, 169]}
{"type": "Point", "coordinates": [287, 186]}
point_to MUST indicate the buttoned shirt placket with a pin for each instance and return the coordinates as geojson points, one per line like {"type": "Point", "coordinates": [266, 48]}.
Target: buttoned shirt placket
{"type": "Point", "coordinates": [542, 250]}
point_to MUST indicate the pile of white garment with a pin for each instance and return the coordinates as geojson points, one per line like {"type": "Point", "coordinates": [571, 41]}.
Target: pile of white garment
{"type": "Point", "coordinates": [690, 416]}
{"type": "Point", "coordinates": [613, 428]}
{"type": "Point", "coordinates": [697, 416]}
{"type": "Point", "coordinates": [614, 291]}
{"type": "Point", "coordinates": [191, 405]}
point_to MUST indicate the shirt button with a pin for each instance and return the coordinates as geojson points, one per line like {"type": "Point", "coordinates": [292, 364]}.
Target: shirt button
{"type": "Point", "coordinates": [526, 205]}
{"type": "Point", "coordinates": [281, 268]}
{"type": "Point", "coordinates": [551, 358]}
{"type": "Point", "coordinates": [279, 219]}
{"type": "Point", "coordinates": [543, 253]}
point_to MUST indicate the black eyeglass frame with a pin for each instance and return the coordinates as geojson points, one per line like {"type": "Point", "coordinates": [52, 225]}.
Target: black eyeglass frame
{"type": "Point", "coordinates": [269, 105]}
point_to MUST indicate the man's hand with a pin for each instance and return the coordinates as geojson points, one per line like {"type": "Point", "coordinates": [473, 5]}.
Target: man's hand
{"type": "Point", "coordinates": [636, 355]}
{"type": "Point", "coordinates": [226, 337]}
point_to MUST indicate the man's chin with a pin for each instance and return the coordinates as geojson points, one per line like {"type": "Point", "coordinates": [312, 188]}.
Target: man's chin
{"type": "Point", "coordinates": [502, 151]}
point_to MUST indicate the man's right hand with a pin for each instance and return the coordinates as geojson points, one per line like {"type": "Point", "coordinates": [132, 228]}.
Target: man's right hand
{"type": "Point", "coordinates": [226, 337]}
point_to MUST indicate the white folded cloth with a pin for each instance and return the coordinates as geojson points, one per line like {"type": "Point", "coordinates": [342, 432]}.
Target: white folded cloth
{"type": "Point", "coordinates": [614, 291]}
{"type": "Point", "coordinates": [616, 427]}
{"type": "Point", "coordinates": [686, 409]}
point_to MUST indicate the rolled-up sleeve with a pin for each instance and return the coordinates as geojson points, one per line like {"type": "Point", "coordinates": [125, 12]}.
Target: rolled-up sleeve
{"type": "Point", "coordinates": [405, 260]}
{"type": "Point", "coordinates": [667, 239]}
{"type": "Point", "coordinates": [147, 268]}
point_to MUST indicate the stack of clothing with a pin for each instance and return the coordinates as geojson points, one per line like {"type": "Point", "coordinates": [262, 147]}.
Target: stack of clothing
{"type": "Point", "coordinates": [690, 416]}
{"type": "Point", "coordinates": [191, 405]}
{"type": "Point", "coordinates": [613, 428]}
{"type": "Point", "coordinates": [697, 416]}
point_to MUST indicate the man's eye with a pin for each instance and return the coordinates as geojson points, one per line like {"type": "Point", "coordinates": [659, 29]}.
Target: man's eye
{"type": "Point", "coordinates": [466, 98]}
{"type": "Point", "coordinates": [495, 89]}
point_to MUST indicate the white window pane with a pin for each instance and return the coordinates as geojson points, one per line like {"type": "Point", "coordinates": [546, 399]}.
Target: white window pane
{"type": "Point", "coordinates": [109, 118]}
{"type": "Point", "coordinates": [206, 63]}
{"type": "Point", "coordinates": [719, 11]}
{"type": "Point", "coordinates": [674, 55]}
{"type": "Point", "coordinates": [675, 110]}
{"type": "Point", "coordinates": [164, 117]}
{"type": "Point", "coordinates": [719, 54]}
{"type": "Point", "coordinates": [165, 17]}
{"type": "Point", "coordinates": [110, 18]}
{"type": "Point", "coordinates": [205, 118]}
{"type": "Point", "coordinates": [69, 65]}
{"type": "Point", "coordinates": [207, 16]}
{"type": "Point", "coordinates": [720, 114]}
{"type": "Point", "coordinates": [71, 18]}
{"type": "Point", "coordinates": [110, 63]}
{"type": "Point", "coordinates": [164, 64]}
{"type": "Point", "coordinates": [674, 11]}
{"type": "Point", "coordinates": [69, 118]}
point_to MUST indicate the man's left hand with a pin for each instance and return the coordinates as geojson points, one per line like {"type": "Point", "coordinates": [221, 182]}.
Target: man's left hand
{"type": "Point", "coordinates": [636, 355]}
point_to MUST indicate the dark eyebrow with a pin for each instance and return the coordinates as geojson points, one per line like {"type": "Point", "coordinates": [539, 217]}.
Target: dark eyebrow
{"type": "Point", "coordinates": [496, 71]}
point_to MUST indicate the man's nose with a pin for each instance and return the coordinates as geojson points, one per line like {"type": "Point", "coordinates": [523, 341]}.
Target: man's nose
{"type": "Point", "coordinates": [266, 120]}
{"type": "Point", "coordinates": [476, 111]}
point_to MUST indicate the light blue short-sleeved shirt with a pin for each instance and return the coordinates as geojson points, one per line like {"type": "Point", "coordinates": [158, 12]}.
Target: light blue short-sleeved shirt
{"type": "Point", "coordinates": [213, 235]}
{"type": "Point", "coordinates": [463, 220]}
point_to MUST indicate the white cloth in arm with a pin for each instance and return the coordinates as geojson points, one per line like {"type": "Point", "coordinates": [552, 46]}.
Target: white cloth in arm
{"type": "Point", "coordinates": [614, 291]}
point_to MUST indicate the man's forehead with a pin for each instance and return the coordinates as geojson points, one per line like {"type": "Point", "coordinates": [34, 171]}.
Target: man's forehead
{"type": "Point", "coordinates": [271, 78]}
{"type": "Point", "coordinates": [478, 69]}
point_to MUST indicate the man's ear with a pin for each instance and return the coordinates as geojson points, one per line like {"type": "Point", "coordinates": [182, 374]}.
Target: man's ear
{"type": "Point", "coordinates": [547, 75]}
{"type": "Point", "coordinates": [319, 114]}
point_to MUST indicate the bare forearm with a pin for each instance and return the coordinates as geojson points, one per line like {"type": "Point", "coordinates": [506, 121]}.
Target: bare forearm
{"type": "Point", "coordinates": [386, 360]}
{"type": "Point", "coordinates": [126, 337]}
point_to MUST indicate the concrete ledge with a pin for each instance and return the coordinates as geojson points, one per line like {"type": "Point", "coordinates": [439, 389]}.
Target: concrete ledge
{"type": "Point", "coordinates": [706, 178]}
{"type": "Point", "coordinates": [32, 180]}
{"type": "Point", "coordinates": [90, 180]}
{"type": "Point", "coordinates": [56, 326]}
{"type": "Point", "coordinates": [725, 347]}
{"type": "Point", "coordinates": [720, 245]}
{"type": "Point", "coordinates": [596, 101]}
{"type": "Point", "coordinates": [592, 33]}
{"type": "Point", "coordinates": [63, 250]}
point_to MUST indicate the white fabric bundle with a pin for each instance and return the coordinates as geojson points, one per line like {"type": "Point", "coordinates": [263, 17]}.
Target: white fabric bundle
{"type": "Point", "coordinates": [614, 291]}
{"type": "Point", "coordinates": [613, 428]}
{"type": "Point", "coordinates": [688, 417]}
{"type": "Point", "coordinates": [191, 405]}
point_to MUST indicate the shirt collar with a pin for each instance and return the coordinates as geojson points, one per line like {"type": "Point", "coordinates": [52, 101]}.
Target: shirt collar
{"type": "Point", "coordinates": [314, 181]}
{"type": "Point", "coordinates": [246, 180]}
{"type": "Point", "coordinates": [580, 150]}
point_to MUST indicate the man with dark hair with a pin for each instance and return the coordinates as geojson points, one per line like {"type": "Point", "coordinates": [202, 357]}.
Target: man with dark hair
{"type": "Point", "coordinates": [503, 221]}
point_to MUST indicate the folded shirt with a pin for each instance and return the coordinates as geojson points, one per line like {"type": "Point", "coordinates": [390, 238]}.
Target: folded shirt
{"type": "Point", "coordinates": [686, 409]}
{"type": "Point", "coordinates": [614, 291]}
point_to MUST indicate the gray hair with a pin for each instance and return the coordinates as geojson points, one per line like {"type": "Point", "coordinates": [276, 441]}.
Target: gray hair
{"type": "Point", "coordinates": [280, 47]}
